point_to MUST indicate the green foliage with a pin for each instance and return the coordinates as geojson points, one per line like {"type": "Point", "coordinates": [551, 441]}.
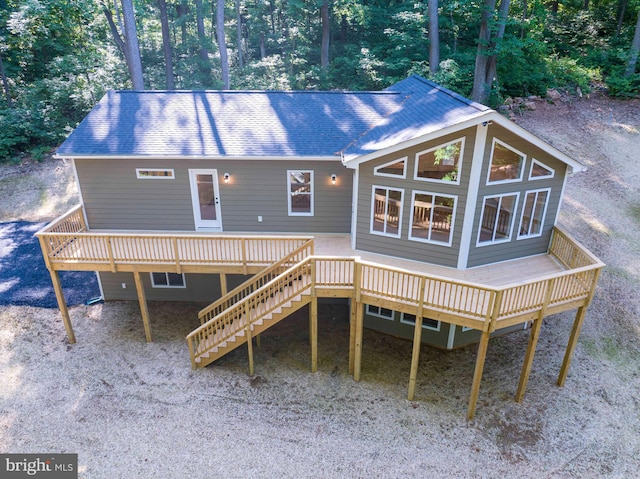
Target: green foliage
{"type": "Point", "coordinates": [623, 86]}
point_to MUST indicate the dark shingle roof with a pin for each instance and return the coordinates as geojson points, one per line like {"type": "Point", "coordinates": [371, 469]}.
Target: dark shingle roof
{"type": "Point", "coordinates": [264, 123]}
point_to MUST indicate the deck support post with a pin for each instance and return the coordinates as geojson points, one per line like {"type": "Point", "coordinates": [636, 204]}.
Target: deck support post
{"type": "Point", "coordinates": [313, 333]}
{"type": "Point", "coordinates": [144, 310]}
{"type": "Point", "coordinates": [534, 335]}
{"type": "Point", "coordinates": [250, 349]}
{"type": "Point", "coordinates": [352, 333]}
{"type": "Point", "coordinates": [223, 284]}
{"type": "Point", "coordinates": [571, 346]}
{"type": "Point", "coordinates": [417, 341]}
{"type": "Point", "coordinates": [477, 375]}
{"type": "Point", "coordinates": [62, 305]}
{"type": "Point", "coordinates": [357, 344]}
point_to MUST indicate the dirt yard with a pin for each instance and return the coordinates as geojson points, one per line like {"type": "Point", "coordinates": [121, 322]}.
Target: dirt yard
{"type": "Point", "coordinates": [137, 410]}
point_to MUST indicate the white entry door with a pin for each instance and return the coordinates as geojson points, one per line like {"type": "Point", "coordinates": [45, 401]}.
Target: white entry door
{"type": "Point", "coordinates": [206, 199]}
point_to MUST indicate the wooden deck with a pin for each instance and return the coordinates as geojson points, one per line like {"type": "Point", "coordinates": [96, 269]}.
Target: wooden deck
{"type": "Point", "coordinates": [485, 298]}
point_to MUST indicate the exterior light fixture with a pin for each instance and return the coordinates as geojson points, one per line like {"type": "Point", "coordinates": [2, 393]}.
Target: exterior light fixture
{"type": "Point", "coordinates": [226, 177]}
{"type": "Point", "coordinates": [333, 179]}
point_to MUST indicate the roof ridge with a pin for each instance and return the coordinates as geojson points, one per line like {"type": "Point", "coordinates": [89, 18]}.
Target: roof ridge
{"type": "Point", "coordinates": [270, 92]}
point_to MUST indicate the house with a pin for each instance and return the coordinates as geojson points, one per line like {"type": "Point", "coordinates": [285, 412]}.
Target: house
{"type": "Point", "coordinates": [433, 215]}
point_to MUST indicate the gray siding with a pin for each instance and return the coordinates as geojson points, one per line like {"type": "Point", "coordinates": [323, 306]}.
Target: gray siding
{"type": "Point", "coordinates": [403, 247]}
{"type": "Point", "coordinates": [487, 254]}
{"type": "Point", "coordinates": [115, 199]}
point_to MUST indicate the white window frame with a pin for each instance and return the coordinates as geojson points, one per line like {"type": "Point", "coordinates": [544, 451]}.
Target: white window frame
{"type": "Point", "coordinates": [290, 195]}
{"type": "Point", "coordinates": [167, 286]}
{"type": "Point", "coordinates": [513, 219]}
{"type": "Point", "coordinates": [544, 212]}
{"type": "Point", "coordinates": [141, 176]}
{"type": "Point", "coordinates": [424, 326]}
{"type": "Point", "coordinates": [373, 210]}
{"type": "Point", "coordinates": [379, 314]}
{"type": "Point", "coordinates": [546, 167]}
{"type": "Point", "coordinates": [522, 168]}
{"type": "Point", "coordinates": [376, 171]}
{"type": "Point", "coordinates": [412, 218]}
{"type": "Point", "coordinates": [435, 180]}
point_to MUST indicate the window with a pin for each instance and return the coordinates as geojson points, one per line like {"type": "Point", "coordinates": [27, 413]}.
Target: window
{"type": "Point", "coordinates": [167, 280]}
{"type": "Point", "coordinates": [386, 211]}
{"type": "Point", "coordinates": [427, 323]}
{"type": "Point", "coordinates": [497, 218]}
{"type": "Point", "coordinates": [533, 213]}
{"type": "Point", "coordinates": [506, 164]}
{"type": "Point", "coordinates": [158, 173]}
{"type": "Point", "coordinates": [432, 218]}
{"type": "Point", "coordinates": [539, 171]}
{"type": "Point", "coordinates": [379, 312]}
{"type": "Point", "coordinates": [300, 199]}
{"type": "Point", "coordinates": [441, 163]}
{"type": "Point", "coordinates": [395, 168]}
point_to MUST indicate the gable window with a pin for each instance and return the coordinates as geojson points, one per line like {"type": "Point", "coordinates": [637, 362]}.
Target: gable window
{"type": "Point", "coordinates": [507, 164]}
{"type": "Point", "coordinates": [533, 213]}
{"type": "Point", "coordinates": [432, 217]}
{"type": "Point", "coordinates": [379, 312]}
{"type": "Point", "coordinates": [394, 169]}
{"type": "Point", "coordinates": [427, 323]}
{"type": "Point", "coordinates": [539, 171]}
{"type": "Point", "coordinates": [156, 173]}
{"type": "Point", "coordinates": [386, 211]}
{"type": "Point", "coordinates": [300, 198]}
{"type": "Point", "coordinates": [167, 280]}
{"type": "Point", "coordinates": [441, 163]}
{"type": "Point", "coordinates": [497, 218]}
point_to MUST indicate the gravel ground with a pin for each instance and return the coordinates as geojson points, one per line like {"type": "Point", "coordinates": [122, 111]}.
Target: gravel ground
{"type": "Point", "coordinates": [24, 279]}
{"type": "Point", "coordinates": [136, 410]}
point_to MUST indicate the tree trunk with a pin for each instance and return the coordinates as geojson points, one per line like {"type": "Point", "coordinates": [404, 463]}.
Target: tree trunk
{"type": "Point", "coordinates": [263, 47]}
{"type": "Point", "coordinates": [324, 47]}
{"type": "Point", "coordinates": [134, 61]}
{"type": "Point", "coordinates": [434, 37]}
{"type": "Point", "coordinates": [622, 9]}
{"type": "Point", "coordinates": [239, 34]}
{"type": "Point", "coordinates": [635, 49]}
{"type": "Point", "coordinates": [114, 31]}
{"type": "Point", "coordinates": [5, 84]}
{"type": "Point", "coordinates": [203, 52]}
{"type": "Point", "coordinates": [222, 45]}
{"type": "Point", "coordinates": [166, 45]}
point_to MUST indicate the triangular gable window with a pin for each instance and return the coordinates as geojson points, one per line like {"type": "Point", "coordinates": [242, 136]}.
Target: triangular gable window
{"type": "Point", "coordinates": [395, 168]}
{"type": "Point", "coordinates": [540, 171]}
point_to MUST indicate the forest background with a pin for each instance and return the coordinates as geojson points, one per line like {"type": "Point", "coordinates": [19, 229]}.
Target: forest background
{"type": "Point", "coordinates": [58, 57]}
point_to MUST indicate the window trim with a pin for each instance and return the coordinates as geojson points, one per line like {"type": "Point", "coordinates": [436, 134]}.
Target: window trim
{"type": "Point", "coordinates": [167, 286]}
{"type": "Point", "coordinates": [513, 219]}
{"type": "Point", "coordinates": [546, 167]}
{"type": "Point", "coordinates": [424, 326]}
{"type": "Point", "coordinates": [388, 163]}
{"type": "Point", "coordinates": [379, 314]}
{"type": "Point", "coordinates": [434, 180]}
{"type": "Point", "coordinates": [544, 213]}
{"type": "Point", "coordinates": [412, 216]}
{"type": "Point", "coordinates": [373, 209]}
{"type": "Point", "coordinates": [514, 180]}
{"type": "Point", "coordinates": [290, 195]}
{"type": "Point", "coordinates": [141, 176]}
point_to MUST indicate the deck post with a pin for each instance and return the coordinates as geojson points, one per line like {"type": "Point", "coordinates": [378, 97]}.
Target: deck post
{"type": "Point", "coordinates": [571, 346]}
{"type": "Point", "coordinates": [477, 375]}
{"type": "Point", "coordinates": [352, 333]}
{"type": "Point", "coordinates": [250, 349]}
{"type": "Point", "coordinates": [62, 305]}
{"type": "Point", "coordinates": [357, 344]}
{"type": "Point", "coordinates": [223, 284]}
{"type": "Point", "coordinates": [417, 341]}
{"type": "Point", "coordinates": [143, 305]}
{"type": "Point", "coordinates": [313, 333]}
{"type": "Point", "coordinates": [534, 335]}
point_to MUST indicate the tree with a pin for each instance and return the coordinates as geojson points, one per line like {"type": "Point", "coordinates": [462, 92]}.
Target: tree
{"type": "Point", "coordinates": [434, 36]}
{"type": "Point", "coordinates": [134, 61]}
{"type": "Point", "coordinates": [5, 84]}
{"type": "Point", "coordinates": [488, 48]}
{"type": "Point", "coordinates": [222, 44]}
{"type": "Point", "coordinates": [203, 52]}
{"type": "Point", "coordinates": [239, 35]}
{"type": "Point", "coordinates": [324, 48]}
{"type": "Point", "coordinates": [166, 45]}
{"type": "Point", "coordinates": [635, 49]}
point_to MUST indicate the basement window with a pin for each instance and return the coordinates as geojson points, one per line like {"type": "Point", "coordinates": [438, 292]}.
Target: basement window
{"type": "Point", "coordinates": [427, 323]}
{"type": "Point", "coordinates": [379, 312]}
{"type": "Point", "coordinates": [167, 280]}
{"type": "Point", "coordinates": [157, 173]}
